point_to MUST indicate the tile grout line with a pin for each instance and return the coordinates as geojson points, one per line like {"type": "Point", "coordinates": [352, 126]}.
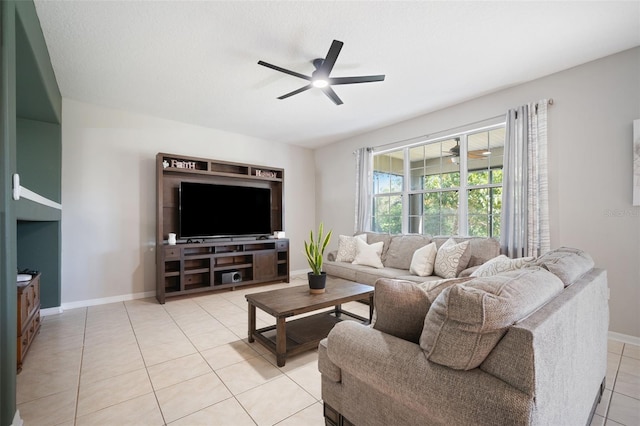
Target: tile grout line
{"type": "Point", "coordinates": [146, 368]}
{"type": "Point", "coordinates": [84, 336]}
{"type": "Point", "coordinates": [211, 367]}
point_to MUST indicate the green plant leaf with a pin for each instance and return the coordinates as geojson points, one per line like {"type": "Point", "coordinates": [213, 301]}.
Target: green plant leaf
{"type": "Point", "coordinates": [314, 249]}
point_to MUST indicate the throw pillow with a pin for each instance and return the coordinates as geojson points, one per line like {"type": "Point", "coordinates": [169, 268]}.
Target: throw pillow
{"type": "Point", "coordinates": [347, 248]}
{"type": "Point", "coordinates": [566, 263]}
{"type": "Point", "coordinates": [423, 260]}
{"type": "Point", "coordinates": [501, 264]}
{"type": "Point", "coordinates": [369, 254]}
{"type": "Point", "coordinates": [451, 258]}
{"type": "Point", "coordinates": [466, 321]}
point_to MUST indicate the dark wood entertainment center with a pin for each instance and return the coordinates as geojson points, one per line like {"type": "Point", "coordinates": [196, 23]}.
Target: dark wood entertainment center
{"type": "Point", "coordinates": [199, 265]}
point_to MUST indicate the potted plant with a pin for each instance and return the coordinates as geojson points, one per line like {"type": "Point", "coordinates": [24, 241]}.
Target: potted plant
{"type": "Point", "coordinates": [315, 253]}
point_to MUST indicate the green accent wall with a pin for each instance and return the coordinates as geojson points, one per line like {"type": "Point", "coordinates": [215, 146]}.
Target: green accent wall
{"type": "Point", "coordinates": [30, 144]}
{"type": "Point", "coordinates": [38, 249]}
{"type": "Point", "coordinates": [8, 256]}
{"type": "Point", "coordinates": [39, 152]}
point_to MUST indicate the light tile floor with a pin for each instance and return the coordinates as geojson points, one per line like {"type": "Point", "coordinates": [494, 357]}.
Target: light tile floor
{"type": "Point", "coordinates": [188, 363]}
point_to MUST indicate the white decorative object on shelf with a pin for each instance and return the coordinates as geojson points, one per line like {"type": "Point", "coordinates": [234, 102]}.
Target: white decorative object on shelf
{"type": "Point", "coordinates": [172, 239]}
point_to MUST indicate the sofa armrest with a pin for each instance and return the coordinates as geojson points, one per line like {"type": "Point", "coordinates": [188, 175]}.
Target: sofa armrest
{"type": "Point", "coordinates": [373, 356]}
{"type": "Point", "coordinates": [399, 370]}
{"type": "Point", "coordinates": [325, 365]}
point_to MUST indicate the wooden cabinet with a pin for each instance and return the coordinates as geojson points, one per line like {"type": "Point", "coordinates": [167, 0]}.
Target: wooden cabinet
{"type": "Point", "coordinates": [193, 268]}
{"type": "Point", "coordinates": [201, 264]}
{"type": "Point", "coordinates": [28, 315]}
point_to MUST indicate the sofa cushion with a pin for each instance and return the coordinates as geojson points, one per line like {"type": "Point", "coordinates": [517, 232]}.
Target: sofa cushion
{"type": "Point", "coordinates": [347, 247]}
{"type": "Point", "coordinates": [341, 269]}
{"type": "Point", "coordinates": [368, 254]}
{"type": "Point", "coordinates": [401, 306]}
{"type": "Point", "coordinates": [368, 275]}
{"type": "Point", "coordinates": [416, 279]}
{"type": "Point", "coordinates": [401, 249]}
{"type": "Point", "coordinates": [433, 288]}
{"type": "Point", "coordinates": [501, 264]}
{"type": "Point", "coordinates": [423, 260]}
{"type": "Point", "coordinates": [566, 263]}
{"type": "Point", "coordinates": [481, 248]}
{"type": "Point", "coordinates": [451, 258]}
{"type": "Point", "coordinates": [467, 320]}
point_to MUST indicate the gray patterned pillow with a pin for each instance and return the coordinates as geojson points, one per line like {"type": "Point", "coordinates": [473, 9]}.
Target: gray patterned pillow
{"type": "Point", "coordinates": [466, 321]}
{"type": "Point", "coordinates": [566, 263]}
{"type": "Point", "coordinates": [347, 247]}
{"type": "Point", "coordinates": [501, 264]}
{"type": "Point", "coordinates": [451, 258]}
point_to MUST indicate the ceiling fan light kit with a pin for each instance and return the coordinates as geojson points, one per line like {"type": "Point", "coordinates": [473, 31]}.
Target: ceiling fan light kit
{"type": "Point", "coordinates": [321, 78]}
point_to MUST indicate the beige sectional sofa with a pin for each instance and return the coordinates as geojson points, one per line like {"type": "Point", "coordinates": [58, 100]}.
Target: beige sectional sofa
{"type": "Point", "coordinates": [522, 347]}
{"type": "Point", "coordinates": [397, 254]}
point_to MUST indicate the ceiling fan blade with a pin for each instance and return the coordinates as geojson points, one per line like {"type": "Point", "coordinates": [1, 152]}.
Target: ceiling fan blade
{"type": "Point", "coordinates": [478, 154]}
{"type": "Point", "coordinates": [284, 70]}
{"type": "Point", "coordinates": [330, 59]}
{"type": "Point", "coordinates": [332, 95]}
{"type": "Point", "coordinates": [360, 79]}
{"type": "Point", "coordinates": [295, 92]}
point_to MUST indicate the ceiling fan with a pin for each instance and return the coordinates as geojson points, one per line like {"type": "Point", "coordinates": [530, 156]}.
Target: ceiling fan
{"type": "Point", "coordinates": [479, 153]}
{"type": "Point", "coordinates": [321, 78]}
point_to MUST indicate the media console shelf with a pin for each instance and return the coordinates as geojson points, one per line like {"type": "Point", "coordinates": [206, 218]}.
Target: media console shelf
{"type": "Point", "coordinates": [192, 268]}
{"type": "Point", "coordinates": [204, 265]}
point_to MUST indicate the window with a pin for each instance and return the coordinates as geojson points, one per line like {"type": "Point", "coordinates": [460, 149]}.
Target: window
{"type": "Point", "coordinates": [448, 186]}
{"type": "Point", "coordinates": [388, 182]}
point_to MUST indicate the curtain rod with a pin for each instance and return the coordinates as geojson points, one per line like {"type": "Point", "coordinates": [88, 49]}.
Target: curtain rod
{"type": "Point", "coordinates": [427, 136]}
{"type": "Point", "coordinates": [422, 138]}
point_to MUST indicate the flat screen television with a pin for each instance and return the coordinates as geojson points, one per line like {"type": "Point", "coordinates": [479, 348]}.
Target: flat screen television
{"type": "Point", "coordinates": [211, 210]}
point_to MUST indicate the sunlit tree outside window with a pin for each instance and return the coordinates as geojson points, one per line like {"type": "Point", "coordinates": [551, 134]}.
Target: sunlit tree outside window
{"type": "Point", "coordinates": [453, 186]}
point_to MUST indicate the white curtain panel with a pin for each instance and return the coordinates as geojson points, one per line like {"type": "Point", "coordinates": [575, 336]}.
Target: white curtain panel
{"type": "Point", "coordinates": [525, 201]}
{"type": "Point", "coordinates": [364, 175]}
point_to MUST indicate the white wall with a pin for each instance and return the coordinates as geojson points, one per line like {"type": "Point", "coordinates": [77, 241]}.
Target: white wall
{"type": "Point", "coordinates": [108, 193]}
{"type": "Point", "coordinates": [590, 161]}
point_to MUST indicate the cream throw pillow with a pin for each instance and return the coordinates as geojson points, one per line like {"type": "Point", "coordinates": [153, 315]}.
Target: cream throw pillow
{"type": "Point", "coordinates": [423, 260]}
{"type": "Point", "coordinates": [369, 255]}
{"type": "Point", "coordinates": [347, 248]}
{"type": "Point", "coordinates": [500, 264]}
{"type": "Point", "coordinates": [451, 258]}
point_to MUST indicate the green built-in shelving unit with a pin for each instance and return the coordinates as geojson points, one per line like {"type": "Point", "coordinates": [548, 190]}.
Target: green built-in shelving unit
{"type": "Point", "coordinates": [31, 146]}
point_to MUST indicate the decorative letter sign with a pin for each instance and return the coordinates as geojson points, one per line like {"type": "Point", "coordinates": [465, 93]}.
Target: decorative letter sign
{"type": "Point", "coordinates": [183, 164]}
{"type": "Point", "coordinates": [266, 173]}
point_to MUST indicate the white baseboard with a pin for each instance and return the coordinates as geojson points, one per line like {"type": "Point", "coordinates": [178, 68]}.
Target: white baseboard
{"type": "Point", "coordinates": [625, 338]}
{"type": "Point", "coordinates": [299, 272]}
{"type": "Point", "coordinates": [95, 302]}
{"type": "Point", "coordinates": [115, 299]}
{"type": "Point", "coordinates": [51, 311]}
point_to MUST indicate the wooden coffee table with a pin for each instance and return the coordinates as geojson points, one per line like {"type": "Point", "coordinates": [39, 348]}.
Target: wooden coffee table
{"type": "Point", "coordinates": [299, 335]}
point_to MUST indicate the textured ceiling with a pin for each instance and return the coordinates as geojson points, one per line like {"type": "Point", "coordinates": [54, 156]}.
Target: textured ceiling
{"type": "Point", "coordinates": [196, 61]}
